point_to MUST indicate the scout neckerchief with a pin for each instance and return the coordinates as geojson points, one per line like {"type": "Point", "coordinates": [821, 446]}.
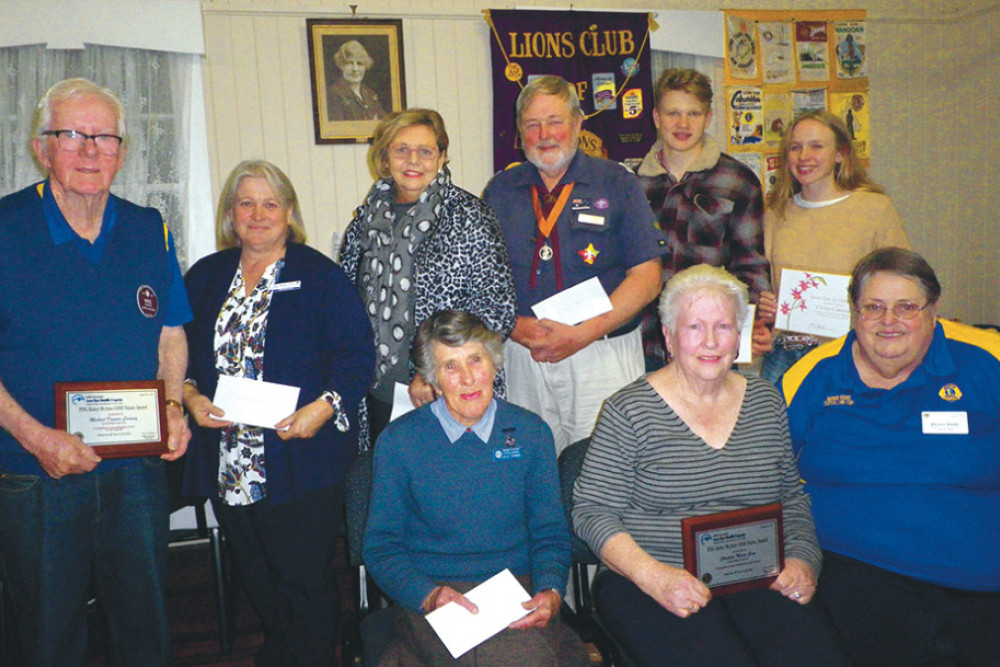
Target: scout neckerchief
{"type": "Point", "coordinates": [547, 212]}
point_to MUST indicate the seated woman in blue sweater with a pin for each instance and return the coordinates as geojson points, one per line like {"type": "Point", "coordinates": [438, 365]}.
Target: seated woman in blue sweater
{"type": "Point", "coordinates": [464, 487]}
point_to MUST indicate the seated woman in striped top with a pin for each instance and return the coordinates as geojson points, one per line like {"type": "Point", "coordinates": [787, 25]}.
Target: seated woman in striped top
{"type": "Point", "coordinates": [691, 439]}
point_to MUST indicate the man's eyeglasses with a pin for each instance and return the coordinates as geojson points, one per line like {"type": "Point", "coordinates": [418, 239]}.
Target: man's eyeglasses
{"type": "Point", "coordinates": [904, 310]}
{"type": "Point", "coordinates": [73, 141]}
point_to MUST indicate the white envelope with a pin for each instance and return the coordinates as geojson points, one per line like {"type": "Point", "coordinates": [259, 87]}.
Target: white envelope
{"type": "Point", "coordinates": [401, 403]}
{"type": "Point", "coordinates": [745, 355]}
{"type": "Point", "coordinates": [499, 601]}
{"type": "Point", "coordinates": [255, 402]}
{"type": "Point", "coordinates": [575, 304]}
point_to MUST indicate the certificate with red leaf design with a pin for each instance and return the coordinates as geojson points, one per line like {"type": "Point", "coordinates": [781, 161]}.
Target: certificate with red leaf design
{"type": "Point", "coordinates": [814, 303]}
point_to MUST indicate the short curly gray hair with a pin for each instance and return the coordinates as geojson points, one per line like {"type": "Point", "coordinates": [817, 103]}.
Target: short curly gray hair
{"type": "Point", "coordinates": [453, 328]}
{"type": "Point", "coordinates": [352, 49]}
{"type": "Point", "coordinates": [699, 279]}
{"type": "Point", "coordinates": [549, 84]}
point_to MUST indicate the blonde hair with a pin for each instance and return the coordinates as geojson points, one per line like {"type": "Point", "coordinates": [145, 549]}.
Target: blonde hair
{"type": "Point", "coordinates": [688, 81]}
{"type": "Point", "coordinates": [850, 174]}
{"type": "Point", "coordinates": [391, 125]}
{"type": "Point", "coordinates": [282, 188]}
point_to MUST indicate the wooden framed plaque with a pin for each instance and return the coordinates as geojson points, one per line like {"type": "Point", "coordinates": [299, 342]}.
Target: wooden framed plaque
{"type": "Point", "coordinates": [735, 551]}
{"type": "Point", "coordinates": [117, 419]}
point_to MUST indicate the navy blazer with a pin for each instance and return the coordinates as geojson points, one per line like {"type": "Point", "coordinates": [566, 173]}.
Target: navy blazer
{"type": "Point", "coordinates": [318, 338]}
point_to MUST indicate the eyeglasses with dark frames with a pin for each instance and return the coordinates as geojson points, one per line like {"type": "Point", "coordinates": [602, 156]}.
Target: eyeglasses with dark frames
{"type": "Point", "coordinates": [73, 141]}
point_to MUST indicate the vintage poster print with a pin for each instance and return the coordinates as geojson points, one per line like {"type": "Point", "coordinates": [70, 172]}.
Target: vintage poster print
{"type": "Point", "coordinates": [356, 71]}
{"type": "Point", "coordinates": [745, 115]}
{"type": "Point", "coordinates": [777, 118]}
{"type": "Point", "coordinates": [751, 160]}
{"type": "Point", "coordinates": [777, 53]}
{"type": "Point", "coordinates": [772, 165]}
{"type": "Point", "coordinates": [811, 50]}
{"type": "Point", "coordinates": [853, 109]}
{"type": "Point", "coordinates": [741, 47]}
{"type": "Point", "coordinates": [852, 62]}
{"type": "Point", "coordinates": [808, 100]}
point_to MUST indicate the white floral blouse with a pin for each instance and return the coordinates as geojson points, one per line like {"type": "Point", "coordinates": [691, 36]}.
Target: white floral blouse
{"type": "Point", "coordinates": [239, 352]}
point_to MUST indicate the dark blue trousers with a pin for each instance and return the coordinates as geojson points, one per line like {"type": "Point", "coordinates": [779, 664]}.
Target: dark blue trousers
{"type": "Point", "coordinates": [752, 628]}
{"type": "Point", "coordinates": [888, 620]}
{"type": "Point", "coordinates": [284, 557]}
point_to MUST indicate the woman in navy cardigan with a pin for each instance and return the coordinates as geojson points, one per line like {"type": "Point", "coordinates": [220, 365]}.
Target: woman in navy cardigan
{"type": "Point", "coordinates": [267, 307]}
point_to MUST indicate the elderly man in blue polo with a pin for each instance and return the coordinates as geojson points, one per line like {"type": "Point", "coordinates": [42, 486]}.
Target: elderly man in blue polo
{"type": "Point", "coordinates": [92, 293]}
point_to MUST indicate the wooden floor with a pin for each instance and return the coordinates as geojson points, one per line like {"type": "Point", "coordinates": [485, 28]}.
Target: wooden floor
{"type": "Point", "coordinates": [194, 621]}
{"type": "Point", "coordinates": [194, 627]}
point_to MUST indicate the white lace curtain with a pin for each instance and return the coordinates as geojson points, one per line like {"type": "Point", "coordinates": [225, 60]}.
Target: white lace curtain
{"type": "Point", "coordinates": [713, 68]}
{"type": "Point", "coordinates": [155, 88]}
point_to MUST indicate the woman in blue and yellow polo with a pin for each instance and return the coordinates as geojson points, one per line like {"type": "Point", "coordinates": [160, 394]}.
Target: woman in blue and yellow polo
{"type": "Point", "coordinates": [897, 430]}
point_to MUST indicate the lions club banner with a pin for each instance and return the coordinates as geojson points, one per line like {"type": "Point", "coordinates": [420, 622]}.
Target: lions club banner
{"type": "Point", "coordinates": [604, 54]}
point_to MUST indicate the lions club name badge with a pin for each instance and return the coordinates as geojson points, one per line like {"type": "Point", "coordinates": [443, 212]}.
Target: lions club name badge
{"type": "Point", "coordinates": [945, 423]}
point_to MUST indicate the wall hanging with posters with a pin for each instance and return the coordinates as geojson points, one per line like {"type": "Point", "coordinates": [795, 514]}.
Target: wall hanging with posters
{"type": "Point", "coordinates": [356, 66]}
{"type": "Point", "coordinates": [604, 54]}
{"type": "Point", "coordinates": [781, 64]}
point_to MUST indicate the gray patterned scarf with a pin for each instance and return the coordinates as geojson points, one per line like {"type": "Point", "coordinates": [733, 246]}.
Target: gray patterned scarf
{"type": "Point", "coordinates": [386, 267]}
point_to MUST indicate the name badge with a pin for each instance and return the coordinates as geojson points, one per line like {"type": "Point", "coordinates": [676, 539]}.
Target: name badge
{"type": "Point", "coordinates": [285, 287]}
{"type": "Point", "coordinates": [508, 454]}
{"type": "Point", "coordinates": [589, 219]}
{"type": "Point", "coordinates": [945, 423]}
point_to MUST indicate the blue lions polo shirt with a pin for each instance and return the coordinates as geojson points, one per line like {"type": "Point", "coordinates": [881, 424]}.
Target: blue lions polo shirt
{"type": "Point", "coordinates": [889, 485]}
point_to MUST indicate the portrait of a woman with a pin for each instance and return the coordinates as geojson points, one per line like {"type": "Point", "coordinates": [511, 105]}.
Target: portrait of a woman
{"type": "Point", "coordinates": [348, 98]}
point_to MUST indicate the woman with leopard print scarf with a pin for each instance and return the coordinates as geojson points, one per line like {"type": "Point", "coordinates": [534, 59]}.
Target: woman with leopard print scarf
{"type": "Point", "coordinates": [417, 245]}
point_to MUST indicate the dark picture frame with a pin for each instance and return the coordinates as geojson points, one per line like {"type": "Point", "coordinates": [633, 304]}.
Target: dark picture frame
{"type": "Point", "coordinates": [115, 404]}
{"type": "Point", "coordinates": [345, 110]}
{"type": "Point", "coordinates": [764, 523]}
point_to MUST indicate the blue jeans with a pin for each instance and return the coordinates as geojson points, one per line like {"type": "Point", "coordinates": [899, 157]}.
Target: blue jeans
{"type": "Point", "coordinates": [779, 360]}
{"type": "Point", "coordinates": [104, 532]}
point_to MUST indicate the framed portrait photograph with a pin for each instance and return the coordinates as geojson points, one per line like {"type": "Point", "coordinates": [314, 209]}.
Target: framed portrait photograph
{"type": "Point", "coordinates": [356, 66]}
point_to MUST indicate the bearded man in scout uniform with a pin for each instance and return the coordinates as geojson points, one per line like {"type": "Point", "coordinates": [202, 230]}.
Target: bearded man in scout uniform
{"type": "Point", "coordinates": [569, 217]}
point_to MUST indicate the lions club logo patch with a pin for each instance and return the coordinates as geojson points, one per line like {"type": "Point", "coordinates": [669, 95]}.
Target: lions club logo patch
{"type": "Point", "coordinates": [950, 392]}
